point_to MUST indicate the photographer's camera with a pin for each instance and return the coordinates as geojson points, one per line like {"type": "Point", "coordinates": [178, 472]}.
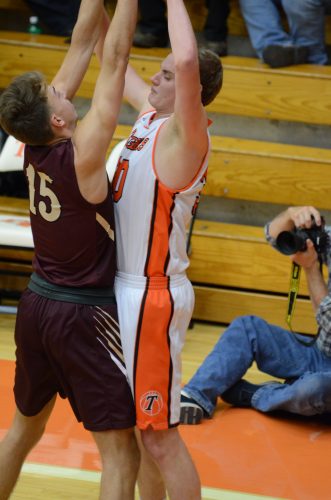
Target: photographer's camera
{"type": "Point", "coordinates": [291, 242]}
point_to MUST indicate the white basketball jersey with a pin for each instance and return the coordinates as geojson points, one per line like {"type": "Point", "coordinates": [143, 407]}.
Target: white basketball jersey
{"type": "Point", "coordinates": [151, 219]}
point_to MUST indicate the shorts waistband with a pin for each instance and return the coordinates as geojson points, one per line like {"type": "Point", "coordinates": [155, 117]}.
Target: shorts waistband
{"type": "Point", "coordinates": [152, 282]}
{"type": "Point", "coordinates": [87, 296]}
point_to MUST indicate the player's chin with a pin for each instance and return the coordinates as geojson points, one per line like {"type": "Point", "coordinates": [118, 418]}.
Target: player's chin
{"type": "Point", "coordinates": [152, 98]}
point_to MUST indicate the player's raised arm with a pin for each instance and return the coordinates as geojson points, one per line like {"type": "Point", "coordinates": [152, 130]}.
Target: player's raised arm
{"type": "Point", "coordinates": [94, 133]}
{"type": "Point", "coordinates": [190, 79]}
{"type": "Point", "coordinates": [136, 90]}
{"type": "Point", "coordinates": [189, 114]}
{"type": "Point", "coordinates": [84, 37]}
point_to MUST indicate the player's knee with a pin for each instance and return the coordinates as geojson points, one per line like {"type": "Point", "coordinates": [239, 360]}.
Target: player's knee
{"type": "Point", "coordinates": [119, 447]}
{"type": "Point", "coordinates": [29, 429]}
{"type": "Point", "coordinates": [160, 444]}
{"type": "Point", "coordinates": [130, 451]}
{"type": "Point", "coordinates": [23, 435]}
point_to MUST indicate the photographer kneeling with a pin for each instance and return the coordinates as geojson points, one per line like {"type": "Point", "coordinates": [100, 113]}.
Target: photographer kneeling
{"type": "Point", "coordinates": [306, 369]}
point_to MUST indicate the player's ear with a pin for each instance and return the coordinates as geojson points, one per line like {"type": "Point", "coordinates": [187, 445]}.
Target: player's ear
{"type": "Point", "coordinates": [56, 121]}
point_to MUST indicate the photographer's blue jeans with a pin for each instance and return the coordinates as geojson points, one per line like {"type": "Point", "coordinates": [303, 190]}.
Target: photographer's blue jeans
{"type": "Point", "coordinates": [277, 353]}
{"type": "Point", "coordinates": [306, 20]}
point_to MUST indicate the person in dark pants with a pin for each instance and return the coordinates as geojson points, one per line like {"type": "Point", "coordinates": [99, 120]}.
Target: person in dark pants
{"type": "Point", "coordinates": [58, 17]}
{"type": "Point", "coordinates": [152, 27]}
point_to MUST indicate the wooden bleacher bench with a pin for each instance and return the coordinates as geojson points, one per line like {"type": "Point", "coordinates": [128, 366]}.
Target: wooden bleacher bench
{"type": "Point", "coordinates": [282, 94]}
{"type": "Point", "coordinates": [264, 171]}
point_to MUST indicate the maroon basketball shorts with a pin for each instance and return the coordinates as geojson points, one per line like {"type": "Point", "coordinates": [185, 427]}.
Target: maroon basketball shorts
{"type": "Point", "coordinates": [74, 350]}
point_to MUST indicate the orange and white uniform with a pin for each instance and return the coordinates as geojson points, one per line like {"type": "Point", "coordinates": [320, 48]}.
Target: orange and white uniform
{"type": "Point", "coordinates": [155, 298]}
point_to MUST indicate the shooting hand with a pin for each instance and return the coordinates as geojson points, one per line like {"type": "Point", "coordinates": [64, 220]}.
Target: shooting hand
{"type": "Point", "coordinates": [308, 258]}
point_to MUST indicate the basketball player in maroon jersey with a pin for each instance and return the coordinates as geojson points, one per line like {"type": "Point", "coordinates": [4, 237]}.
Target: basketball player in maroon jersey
{"type": "Point", "coordinates": [67, 332]}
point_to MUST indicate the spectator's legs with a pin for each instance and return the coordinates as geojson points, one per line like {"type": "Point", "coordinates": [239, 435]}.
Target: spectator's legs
{"type": "Point", "coordinates": [153, 18]}
{"type": "Point", "coordinates": [306, 20]}
{"type": "Point", "coordinates": [59, 17]}
{"type": "Point", "coordinates": [309, 395]}
{"type": "Point", "coordinates": [250, 338]}
{"type": "Point", "coordinates": [264, 24]}
{"type": "Point", "coordinates": [216, 28]}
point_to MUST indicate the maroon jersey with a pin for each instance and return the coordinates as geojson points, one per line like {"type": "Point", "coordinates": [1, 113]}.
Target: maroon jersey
{"type": "Point", "coordinates": [74, 239]}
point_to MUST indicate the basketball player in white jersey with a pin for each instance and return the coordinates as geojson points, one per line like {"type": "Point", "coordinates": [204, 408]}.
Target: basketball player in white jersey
{"type": "Point", "coordinates": [160, 173]}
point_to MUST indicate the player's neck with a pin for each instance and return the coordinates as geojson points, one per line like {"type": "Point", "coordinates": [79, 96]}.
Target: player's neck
{"type": "Point", "coordinates": [62, 134]}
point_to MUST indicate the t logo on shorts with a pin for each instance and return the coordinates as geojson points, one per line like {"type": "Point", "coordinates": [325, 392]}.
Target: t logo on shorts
{"type": "Point", "coordinates": [151, 403]}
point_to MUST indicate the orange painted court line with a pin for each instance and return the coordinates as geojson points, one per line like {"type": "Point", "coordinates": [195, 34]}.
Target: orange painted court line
{"type": "Point", "coordinates": [238, 450]}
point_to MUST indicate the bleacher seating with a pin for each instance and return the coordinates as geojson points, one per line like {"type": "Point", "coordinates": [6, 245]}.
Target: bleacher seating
{"type": "Point", "coordinates": [250, 88]}
{"type": "Point", "coordinates": [233, 269]}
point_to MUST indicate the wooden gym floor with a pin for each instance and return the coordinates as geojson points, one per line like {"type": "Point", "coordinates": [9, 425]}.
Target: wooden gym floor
{"type": "Point", "coordinates": [240, 454]}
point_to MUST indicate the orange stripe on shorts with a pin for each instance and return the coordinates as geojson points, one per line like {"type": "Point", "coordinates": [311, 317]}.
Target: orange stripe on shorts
{"type": "Point", "coordinates": [153, 366]}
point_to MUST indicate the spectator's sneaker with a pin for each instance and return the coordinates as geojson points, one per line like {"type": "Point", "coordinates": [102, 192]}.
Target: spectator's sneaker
{"type": "Point", "coordinates": [219, 47]}
{"type": "Point", "coordinates": [277, 56]}
{"type": "Point", "coordinates": [191, 412]}
{"type": "Point", "coordinates": [240, 394]}
{"type": "Point", "coordinates": [149, 40]}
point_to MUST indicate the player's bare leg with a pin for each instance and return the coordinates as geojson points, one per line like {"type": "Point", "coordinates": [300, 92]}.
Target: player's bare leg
{"type": "Point", "coordinates": [150, 481]}
{"type": "Point", "coordinates": [120, 462]}
{"type": "Point", "coordinates": [175, 463]}
{"type": "Point", "coordinates": [22, 436]}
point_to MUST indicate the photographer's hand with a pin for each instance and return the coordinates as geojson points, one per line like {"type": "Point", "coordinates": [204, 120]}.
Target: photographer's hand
{"type": "Point", "coordinates": [308, 258]}
{"type": "Point", "coordinates": [304, 217]}
{"type": "Point", "coordinates": [294, 217]}
{"type": "Point", "coordinates": [316, 284]}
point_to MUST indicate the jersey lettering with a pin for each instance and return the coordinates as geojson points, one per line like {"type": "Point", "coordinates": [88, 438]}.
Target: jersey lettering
{"type": "Point", "coordinates": [135, 143]}
{"type": "Point", "coordinates": [119, 179]}
{"type": "Point", "coordinates": [45, 192]}
{"type": "Point", "coordinates": [151, 403]}
{"type": "Point", "coordinates": [142, 144]}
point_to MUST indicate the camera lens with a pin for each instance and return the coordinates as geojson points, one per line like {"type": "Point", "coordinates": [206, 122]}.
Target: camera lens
{"type": "Point", "coordinates": [289, 243]}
